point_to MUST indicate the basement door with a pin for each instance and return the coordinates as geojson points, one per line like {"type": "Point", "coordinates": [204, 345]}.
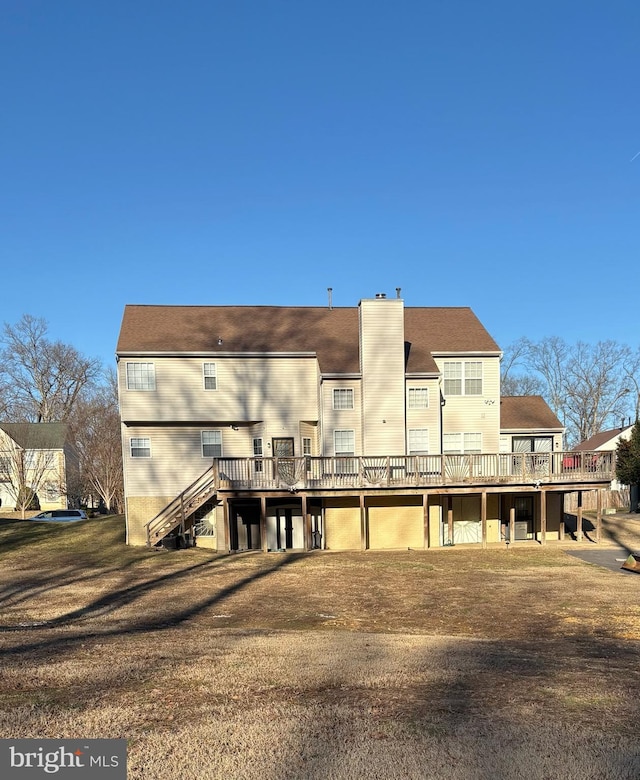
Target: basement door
{"type": "Point", "coordinates": [524, 518]}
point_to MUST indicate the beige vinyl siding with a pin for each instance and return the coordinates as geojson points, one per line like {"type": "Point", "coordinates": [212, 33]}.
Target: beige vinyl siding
{"type": "Point", "coordinates": [396, 523]}
{"type": "Point", "coordinates": [428, 418]}
{"type": "Point", "coordinates": [262, 388]}
{"type": "Point", "coordinates": [309, 431]}
{"type": "Point", "coordinates": [555, 511]}
{"type": "Point", "coordinates": [341, 419]}
{"type": "Point", "coordinates": [382, 361]}
{"type": "Point", "coordinates": [435, 519]}
{"type": "Point", "coordinates": [342, 524]}
{"type": "Point", "coordinates": [176, 457]}
{"type": "Point", "coordinates": [475, 414]}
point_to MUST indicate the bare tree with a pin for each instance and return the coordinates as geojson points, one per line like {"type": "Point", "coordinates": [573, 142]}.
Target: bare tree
{"type": "Point", "coordinates": [589, 387]}
{"type": "Point", "coordinates": [96, 427]}
{"type": "Point", "coordinates": [43, 379]}
{"type": "Point", "coordinates": [548, 358]}
{"type": "Point", "coordinates": [595, 387]}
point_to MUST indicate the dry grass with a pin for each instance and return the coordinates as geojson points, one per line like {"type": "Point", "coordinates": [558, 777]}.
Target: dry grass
{"type": "Point", "coordinates": [457, 663]}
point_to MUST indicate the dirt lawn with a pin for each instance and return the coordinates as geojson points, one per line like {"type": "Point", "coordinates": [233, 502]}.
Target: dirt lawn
{"type": "Point", "coordinates": [456, 663]}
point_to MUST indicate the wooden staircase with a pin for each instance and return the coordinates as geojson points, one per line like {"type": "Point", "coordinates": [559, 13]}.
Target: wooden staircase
{"type": "Point", "coordinates": [182, 507]}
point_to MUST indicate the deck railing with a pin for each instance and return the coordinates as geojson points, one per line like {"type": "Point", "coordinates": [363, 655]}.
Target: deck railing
{"type": "Point", "coordinates": [308, 472]}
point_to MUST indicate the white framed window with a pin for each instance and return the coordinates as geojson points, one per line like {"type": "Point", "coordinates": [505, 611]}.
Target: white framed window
{"type": "Point", "coordinates": [418, 441]}
{"type": "Point", "coordinates": [452, 378]}
{"type": "Point", "coordinates": [463, 378]}
{"type": "Point", "coordinates": [461, 443]}
{"type": "Point", "coordinates": [209, 376]}
{"type": "Point", "coordinates": [211, 444]}
{"type": "Point", "coordinates": [472, 443]}
{"type": "Point", "coordinates": [140, 446]}
{"type": "Point", "coordinates": [257, 454]}
{"type": "Point", "coordinates": [141, 376]}
{"type": "Point", "coordinates": [473, 377]}
{"type": "Point", "coordinates": [418, 398]}
{"type": "Point", "coordinates": [344, 442]}
{"type": "Point", "coordinates": [343, 398]}
{"type": "Point", "coordinates": [306, 445]}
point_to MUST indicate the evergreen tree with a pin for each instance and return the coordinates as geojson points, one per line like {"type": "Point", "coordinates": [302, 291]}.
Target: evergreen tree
{"type": "Point", "coordinates": [628, 464]}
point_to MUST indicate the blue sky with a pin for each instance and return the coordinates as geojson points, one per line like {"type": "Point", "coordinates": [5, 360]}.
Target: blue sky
{"type": "Point", "coordinates": [472, 153]}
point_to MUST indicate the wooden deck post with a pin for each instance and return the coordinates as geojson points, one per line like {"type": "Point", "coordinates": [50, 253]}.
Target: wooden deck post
{"type": "Point", "coordinates": [450, 518]}
{"type": "Point", "coordinates": [306, 523]}
{"type": "Point", "coordinates": [363, 523]}
{"type": "Point", "coordinates": [599, 517]}
{"type": "Point", "coordinates": [483, 517]}
{"type": "Point", "coordinates": [225, 521]}
{"type": "Point", "coordinates": [425, 519]}
{"type": "Point", "coordinates": [543, 517]}
{"type": "Point", "coordinates": [512, 525]}
{"type": "Point", "coordinates": [263, 523]}
{"type": "Point", "coordinates": [579, 518]}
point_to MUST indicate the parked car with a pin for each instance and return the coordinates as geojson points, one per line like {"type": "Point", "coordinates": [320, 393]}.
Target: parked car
{"type": "Point", "coordinates": [61, 515]}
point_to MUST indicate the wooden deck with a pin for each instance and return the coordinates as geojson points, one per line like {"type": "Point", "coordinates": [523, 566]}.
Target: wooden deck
{"type": "Point", "coordinates": [360, 472]}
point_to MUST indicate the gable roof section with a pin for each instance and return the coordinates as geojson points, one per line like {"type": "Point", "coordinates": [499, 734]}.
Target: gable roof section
{"type": "Point", "coordinates": [527, 412]}
{"type": "Point", "coordinates": [604, 437]}
{"type": "Point", "coordinates": [332, 334]}
{"type": "Point", "coordinates": [37, 436]}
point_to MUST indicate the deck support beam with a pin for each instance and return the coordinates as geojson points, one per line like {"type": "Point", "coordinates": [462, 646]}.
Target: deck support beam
{"type": "Point", "coordinates": [425, 519]}
{"type": "Point", "coordinates": [263, 523]}
{"type": "Point", "coordinates": [483, 517]}
{"type": "Point", "coordinates": [363, 523]}
{"type": "Point", "coordinates": [579, 518]}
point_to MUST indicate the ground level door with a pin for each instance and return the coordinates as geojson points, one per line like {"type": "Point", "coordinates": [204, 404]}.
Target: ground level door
{"type": "Point", "coordinates": [244, 525]}
{"type": "Point", "coordinates": [524, 518]}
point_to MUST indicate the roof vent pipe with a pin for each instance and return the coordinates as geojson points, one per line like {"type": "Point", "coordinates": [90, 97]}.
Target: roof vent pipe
{"type": "Point", "coordinates": [398, 292]}
{"type": "Point", "coordinates": [329, 291]}
{"type": "Point", "coordinates": [381, 295]}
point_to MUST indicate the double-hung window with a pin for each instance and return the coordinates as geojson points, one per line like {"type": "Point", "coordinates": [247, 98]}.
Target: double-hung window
{"type": "Point", "coordinates": [140, 447]}
{"type": "Point", "coordinates": [141, 376]}
{"type": "Point", "coordinates": [343, 398]}
{"type": "Point", "coordinates": [257, 454]}
{"type": "Point", "coordinates": [418, 398]}
{"type": "Point", "coordinates": [345, 447]}
{"type": "Point", "coordinates": [344, 443]}
{"type": "Point", "coordinates": [463, 378]}
{"type": "Point", "coordinates": [418, 441]}
{"type": "Point", "coordinates": [211, 444]}
{"type": "Point", "coordinates": [462, 443]}
{"type": "Point", "coordinates": [209, 376]}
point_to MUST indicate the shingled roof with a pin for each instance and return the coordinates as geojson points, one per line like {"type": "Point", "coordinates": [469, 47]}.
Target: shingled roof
{"type": "Point", "coordinates": [37, 436]}
{"type": "Point", "coordinates": [604, 437]}
{"type": "Point", "coordinates": [527, 412]}
{"type": "Point", "coordinates": [331, 333]}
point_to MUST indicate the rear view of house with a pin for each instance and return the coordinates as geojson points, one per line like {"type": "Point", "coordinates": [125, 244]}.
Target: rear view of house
{"type": "Point", "coordinates": [379, 426]}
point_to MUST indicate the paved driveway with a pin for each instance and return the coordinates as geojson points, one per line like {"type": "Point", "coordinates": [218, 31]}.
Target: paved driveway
{"type": "Point", "coordinates": [610, 558]}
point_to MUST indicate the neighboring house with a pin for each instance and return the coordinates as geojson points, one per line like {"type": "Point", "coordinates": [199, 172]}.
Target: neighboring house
{"type": "Point", "coordinates": [371, 427]}
{"type": "Point", "coordinates": [38, 457]}
{"type": "Point", "coordinates": [606, 441]}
